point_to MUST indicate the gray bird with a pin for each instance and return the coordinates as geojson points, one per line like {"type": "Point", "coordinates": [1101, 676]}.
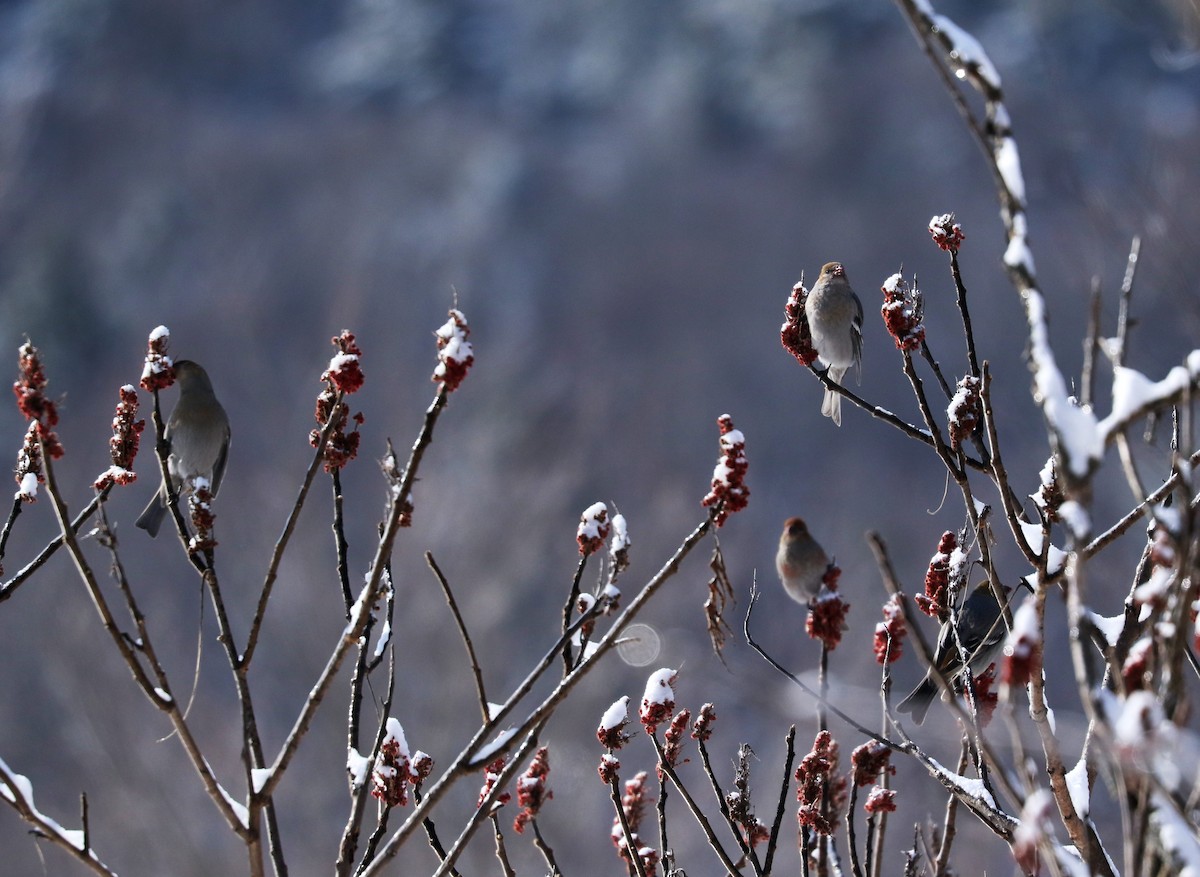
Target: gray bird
{"type": "Point", "coordinates": [198, 433]}
{"type": "Point", "coordinates": [982, 633]}
{"type": "Point", "coordinates": [835, 318]}
{"type": "Point", "coordinates": [800, 561]}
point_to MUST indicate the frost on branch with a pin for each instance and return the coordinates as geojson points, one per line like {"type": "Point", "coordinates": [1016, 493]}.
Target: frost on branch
{"type": "Point", "coordinates": [491, 776]}
{"type": "Point", "coordinates": [123, 446]}
{"type": "Point", "coordinates": [393, 767]}
{"type": "Point", "coordinates": [532, 791]}
{"type": "Point", "coordinates": [633, 807]}
{"type": "Point", "coordinates": [827, 611]}
{"type": "Point", "coordinates": [820, 790]}
{"type": "Point", "coordinates": [158, 373]}
{"type": "Point", "coordinates": [28, 472]}
{"type": "Point", "coordinates": [345, 370]}
{"type": "Point", "coordinates": [870, 760]}
{"type": "Point", "coordinates": [611, 732]}
{"type": "Point", "coordinates": [903, 310]}
{"type": "Point", "coordinates": [618, 548]}
{"type": "Point", "coordinates": [795, 334]}
{"type": "Point", "coordinates": [880, 800]}
{"type": "Point", "coordinates": [729, 491]}
{"type": "Point", "coordinates": [946, 233]}
{"type": "Point", "coordinates": [455, 355]}
{"type": "Point", "coordinates": [702, 729]}
{"type": "Point", "coordinates": [889, 633]}
{"type": "Point", "coordinates": [1022, 648]}
{"type": "Point", "coordinates": [200, 507]}
{"type": "Point", "coordinates": [1034, 830]}
{"type": "Point", "coordinates": [935, 602]}
{"type": "Point", "coordinates": [659, 699]}
{"type": "Point", "coordinates": [593, 528]}
{"type": "Point", "coordinates": [963, 412]}
{"type": "Point", "coordinates": [1133, 392]}
{"type": "Point", "coordinates": [674, 738]}
{"type": "Point", "coordinates": [29, 388]}
{"type": "Point", "coordinates": [343, 376]}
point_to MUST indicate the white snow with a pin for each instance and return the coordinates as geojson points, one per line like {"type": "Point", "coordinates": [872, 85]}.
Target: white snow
{"type": "Point", "coordinates": [958, 562]}
{"type": "Point", "coordinates": [358, 766]}
{"type": "Point", "coordinates": [29, 486]}
{"type": "Point", "coordinates": [1035, 816]}
{"type": "Point", "coordinates": [1075, 427]}
{"type": "Point", "coordinates": [395, 732]}
{"type": "Point", "coordinates": [732, 439]}
{"type": "Point", "coordinates": [966, 49]}
{"type": "Point", "coordinates": [1177, 836]}
{"type": "Point", "coordinates": [341, 360]}
{"type": "Point", "coordinates": [658, 686]}
{"type": "Point", "coordinates": [456, 348]}
{"type": "Point", "coordinates": [1155, 588]}
{"type": "Point", "coordinates": [239, 809]}
{"type": "Point", "coordinates": [972, 787]}
{"type": "Point", "coordinates": [1025, 626]}
{"type": "Point", "coordinates": [616, 715]}
{"type": "Point", "coordinates": [160, 332]}
{"type": "Point", "coordinates": [1077, 786]}
{"type": "Point", "coordinates": [1018, 254]}
{"type": "Point", "coordinates": [259, 777]}
{"type": "Point", "coordinates": [385, 636]}
{"type": "Point", "coordinates": [1110, 628]}
{"type": "Point", "coordinates": [494, 710]}
{"type": "Point", "coordinates": [1132, 391]}
{"type": "Point", "coordinates": [488, 752]}
{"type": "Point", "coordinates": [162, 695]}
{"type": "Point", "coordinates": [23, 788]}
{"type": "Point", "coordinates": [1075, 516]}
{"type": "Point", "coordinates": [620, 535]}
{"type": "Point", "coordinates": [593, 520]}
{"type": "Point", "coordinates": [1054, 558]}
{"type": "Point", "coordinates": [1008, 163]}
{"type": "Point", "coordinates": [1169, 517]}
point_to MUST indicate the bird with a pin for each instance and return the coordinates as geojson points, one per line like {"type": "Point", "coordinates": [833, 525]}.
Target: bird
{"type": "Point", "coordinates": [800, 561]}
{"type": "Point", "coordinates": [198, 435]}
{"type": "Point", "coordinates": [982, 634]}
{"type": "Point", "coordinates": [835, 318]}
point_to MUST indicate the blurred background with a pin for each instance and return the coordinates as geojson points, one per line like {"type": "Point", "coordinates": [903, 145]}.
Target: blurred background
{"type": "Point", "coordinates": [620, 196]}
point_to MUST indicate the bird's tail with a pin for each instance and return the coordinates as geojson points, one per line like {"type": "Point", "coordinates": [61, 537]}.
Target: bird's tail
{"type": "Point", "coordinates": [152, 517]}
{"type": "Point", "coordinates": [831, 406]}
{"type": "Point", "coordinates": [917, 704]}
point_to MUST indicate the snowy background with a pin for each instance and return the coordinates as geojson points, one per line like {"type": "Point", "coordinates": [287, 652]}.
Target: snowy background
{"type": "Point", "coordinates": [621, 195]}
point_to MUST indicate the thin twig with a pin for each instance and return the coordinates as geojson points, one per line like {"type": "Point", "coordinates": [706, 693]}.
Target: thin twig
{"type": "Point", "coordinates": [397, 513]}
{"type": "Point", "coordinates": [568, 610]}
{"type": "Point", "coordinates": [697, 813]}
{"type": "Point", "coordinates": [9, 587]}
{"type": "Point", "coordinates": [282, 542]}
{"type": "Point", "coordinates": [476, 670]}
{"type": "Point", "coordinates": [339, 539]}
{"type": "Point", "coordinates": [788, 760]}
{"type": "Point", "coordinates": [46, 827]}
{"type": "Point", "coordinates": [1091, 348]}
{"type": "Point", "coordinates": [467, 760]}
{"type": "Point", "coordinates": [635, 860]}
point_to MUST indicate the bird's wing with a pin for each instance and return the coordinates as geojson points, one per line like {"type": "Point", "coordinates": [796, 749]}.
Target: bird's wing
{"type": "Point", "coordinates": [219, 466]}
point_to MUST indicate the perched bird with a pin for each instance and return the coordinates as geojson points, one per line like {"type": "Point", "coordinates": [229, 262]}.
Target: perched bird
{"type": "Point", "coordinates": [198, 433]}
{"type": "Point", "coordinates": [982, 634]}
{"type": "Point", "coordinates": [835, 318]}
{"type": "Point", "coordinates": [800, 561]}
